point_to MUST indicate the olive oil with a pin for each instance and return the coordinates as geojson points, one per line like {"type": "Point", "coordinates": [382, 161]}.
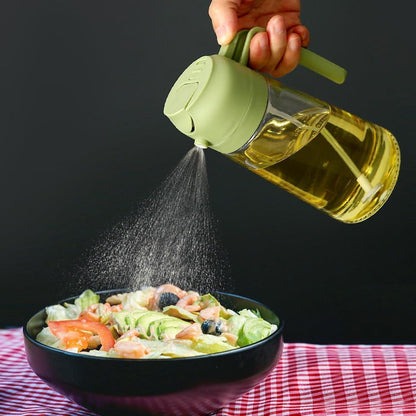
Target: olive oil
{"type": "Point", "coordinates": [327, 157]}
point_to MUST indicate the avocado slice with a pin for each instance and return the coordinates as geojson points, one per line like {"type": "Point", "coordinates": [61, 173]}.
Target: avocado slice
{"type": "Point", "coordinates": [125, 321]}
{"type": "Point", "coordinates": [179, 312]}
{"type": "Point", "coordinates": [166, 328]}
{"type": "Point", "coordinates": [146, 319]}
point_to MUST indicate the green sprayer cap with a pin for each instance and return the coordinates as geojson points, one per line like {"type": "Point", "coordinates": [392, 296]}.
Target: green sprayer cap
{"type": "Point", "coordinates": [219, 102]}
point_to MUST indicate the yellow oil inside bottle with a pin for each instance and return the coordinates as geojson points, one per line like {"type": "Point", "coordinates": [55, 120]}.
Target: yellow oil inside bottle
{"type": "Point", "coordinates": [329, 158]}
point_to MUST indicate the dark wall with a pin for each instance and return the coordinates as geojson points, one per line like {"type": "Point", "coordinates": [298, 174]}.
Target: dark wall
{"type": "Point", "coordinates": [82, 87]}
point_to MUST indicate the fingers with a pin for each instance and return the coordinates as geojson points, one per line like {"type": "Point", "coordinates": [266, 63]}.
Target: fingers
{"type": "Point", "coordinates": [290, 58]}
{"type": "Point", "coordinates": [259, 51]}
{"type": "Point", "coordinates": [303, 32]}
{"type": "Point", "coordinates": [224, 19]}
{"type": "Point", "coordinates": [276, 30]}
{"type": "Point", "coordinates": [276, 51]}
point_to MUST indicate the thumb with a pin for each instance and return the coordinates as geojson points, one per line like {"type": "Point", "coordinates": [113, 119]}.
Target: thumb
{"type": "Point", "coordinates": [224, 19]}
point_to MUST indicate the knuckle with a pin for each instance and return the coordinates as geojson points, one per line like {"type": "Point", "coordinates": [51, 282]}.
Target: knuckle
{"type": "Point", "coordinates": [211, 10]}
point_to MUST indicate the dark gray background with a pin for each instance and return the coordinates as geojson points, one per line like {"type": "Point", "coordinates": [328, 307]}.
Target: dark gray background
{"type": "Point", "coordinates": [83, 136]}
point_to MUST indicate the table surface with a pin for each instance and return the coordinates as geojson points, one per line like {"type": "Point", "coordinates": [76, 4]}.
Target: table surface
{"type": "Point", "coordinates": [310, 380]}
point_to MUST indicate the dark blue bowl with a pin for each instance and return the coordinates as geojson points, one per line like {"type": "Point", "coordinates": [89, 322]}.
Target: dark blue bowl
{"type": "Point", "coordinates": [159, 387]}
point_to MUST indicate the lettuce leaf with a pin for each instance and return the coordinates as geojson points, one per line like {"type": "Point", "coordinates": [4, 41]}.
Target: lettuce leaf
{"type": "Point", "coordinates": [253, 330]}
{"type": "Point", "coordinates": [62, 313]}
{"type": "Point", "coordinates": [208, 300]}
{"type": "Point", "coordinates": [46, 337]}
{"type": "Point", "coordinates": [180, 348]}
{"type": "Point", "coordinates": [210, 344]}
{"type": "Point", "coordinates": [235, 323]}
{"type": "Point", "coordinates": [247, 313]}
{"type": "Point", "coordinates": [137, 300]}
{"type": "Point", "coordinates": [86, 299]}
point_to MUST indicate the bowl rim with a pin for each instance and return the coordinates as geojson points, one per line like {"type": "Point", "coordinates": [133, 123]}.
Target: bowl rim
{"type": "Point", "coordinates": [78, 355]}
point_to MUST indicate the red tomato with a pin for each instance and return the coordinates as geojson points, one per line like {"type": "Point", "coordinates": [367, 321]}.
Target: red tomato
{"type": "Point", "coordinates": [63, 330]}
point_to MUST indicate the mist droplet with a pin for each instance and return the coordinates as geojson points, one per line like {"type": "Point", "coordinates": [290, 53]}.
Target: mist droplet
{"type": "Point", "coordinates": [171, 238]}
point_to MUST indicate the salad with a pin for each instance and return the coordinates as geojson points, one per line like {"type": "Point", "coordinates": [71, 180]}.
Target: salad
{"type": "Point", "coordinates": [161, 322]}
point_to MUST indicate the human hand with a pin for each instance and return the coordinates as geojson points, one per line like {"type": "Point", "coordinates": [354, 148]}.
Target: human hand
{"type": "Point", "coordinates": [276, 51]}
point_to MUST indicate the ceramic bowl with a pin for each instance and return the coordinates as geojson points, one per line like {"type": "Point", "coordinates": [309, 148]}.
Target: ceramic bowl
{"type": "Point", "coordinates": [192, 386]}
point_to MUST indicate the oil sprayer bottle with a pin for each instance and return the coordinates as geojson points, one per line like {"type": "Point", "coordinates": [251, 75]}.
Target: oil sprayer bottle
{"type": "Point", "coordinates": [325, 156]}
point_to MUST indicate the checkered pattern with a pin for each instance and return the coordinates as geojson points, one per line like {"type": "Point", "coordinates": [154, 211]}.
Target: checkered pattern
{"type": "Point", "coordinates": [310, 380]}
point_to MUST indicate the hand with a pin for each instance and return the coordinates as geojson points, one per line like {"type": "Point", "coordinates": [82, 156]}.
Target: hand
{"type": "Point", "coordinates": [276, 51]}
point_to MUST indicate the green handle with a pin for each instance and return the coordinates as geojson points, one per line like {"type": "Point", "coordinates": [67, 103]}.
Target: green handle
{"type": "Point", "coordinates": [322, 66]}
{"type": "Point", "coordinates": [238, 50]}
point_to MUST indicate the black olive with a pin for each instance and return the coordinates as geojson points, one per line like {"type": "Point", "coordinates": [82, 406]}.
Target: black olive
{"type": "Point", "coordinates": [167, 299]}
{"type": "Point", "coordinates": [218, 328]}
{"type": "Point", "coordinates": [211, 327]}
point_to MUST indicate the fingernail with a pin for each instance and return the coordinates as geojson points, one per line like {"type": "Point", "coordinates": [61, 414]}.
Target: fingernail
{"type": "Point", "coordinates": [279, 26]}
{"type": "Point", "coordinates": [221, 32]}
{"type": "Point", "coordinates": [294, 43]}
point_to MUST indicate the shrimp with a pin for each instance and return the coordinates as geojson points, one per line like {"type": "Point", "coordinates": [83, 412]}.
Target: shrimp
{"type": "Point", "coordinates": [231, 338]}
{"type": "Point", "coordinates": [115, 299]}
{"type": "Point", "coordinates": [131, 349]}
{"type": "Point", "coordinates": [212, 312]}
{"type": "Point", "coordinates": [115, 308]}
{"type": "Point", "coordinates": [154, 299]}
{"type": "Point", "coordinates": [91, 314]}
{"type": "Point", "coordinates": [129, 334]}
{"type": "Point", "coordinates": [190, 332]}
{"type": "Point", "coordinates": [187, 302]}
{"type": "Point", "coordinates": [94, 342]}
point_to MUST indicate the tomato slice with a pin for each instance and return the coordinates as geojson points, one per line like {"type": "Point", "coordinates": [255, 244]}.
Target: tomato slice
{"type": "Point", "coordinates": [63, 330]}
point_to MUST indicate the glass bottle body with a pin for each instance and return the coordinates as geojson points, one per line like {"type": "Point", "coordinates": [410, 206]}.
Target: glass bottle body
{"type": "Point", "coordinates": [327, 157]}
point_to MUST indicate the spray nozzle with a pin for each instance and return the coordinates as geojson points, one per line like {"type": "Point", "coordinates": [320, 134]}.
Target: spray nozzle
{"type": "Point", "coordinates": [201, 143]}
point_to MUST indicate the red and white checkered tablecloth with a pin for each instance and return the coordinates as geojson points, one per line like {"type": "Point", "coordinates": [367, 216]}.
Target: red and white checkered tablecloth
{"type": "Point", "coordinates": [310, 380]}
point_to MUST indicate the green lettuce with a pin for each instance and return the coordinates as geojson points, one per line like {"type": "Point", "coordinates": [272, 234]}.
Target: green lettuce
{"type": "Point", "coordinates": [210, 344]}
{"type": "Point", "coordinates": [253, 330]}
{"type": "Point", "coordinates": [208, 300]}
{"type": "Point", "coordinates": [247, 313]}
{"type": "Point", "coordinates": [62, 313]}
{"type": "Point", "coordinates": [46, 337]}
{"type": "Point", "coordinates": [86, 299]}
{"type": "Point", "coordinates": [235, 323]}
{"type": "Point", "coordinates": [136, 300]}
